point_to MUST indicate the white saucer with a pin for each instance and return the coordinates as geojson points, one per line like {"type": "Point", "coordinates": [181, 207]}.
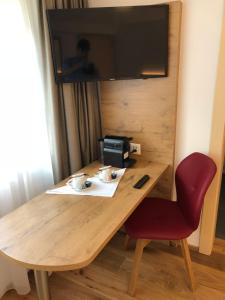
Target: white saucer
{"type": "Point", "coordinates": [108, 181]}
{"type": "Point", "coordinates": [83, 188]}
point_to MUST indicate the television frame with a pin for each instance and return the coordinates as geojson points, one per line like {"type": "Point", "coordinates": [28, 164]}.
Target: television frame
{"type": "Point", "coordinates": [166, 58]}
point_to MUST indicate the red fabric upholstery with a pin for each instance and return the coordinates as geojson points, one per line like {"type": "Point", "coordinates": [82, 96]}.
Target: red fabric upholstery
{"type": "Point", "coordinates": [157, 219]}
{"type": "Point", "coordinates": [193, 177]}
{"type": "Point", "coordinates": [161, 219]}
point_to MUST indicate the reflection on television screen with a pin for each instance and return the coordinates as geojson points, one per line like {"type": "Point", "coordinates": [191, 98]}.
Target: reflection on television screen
{"type": "Point", "coordinates": [109, 43]}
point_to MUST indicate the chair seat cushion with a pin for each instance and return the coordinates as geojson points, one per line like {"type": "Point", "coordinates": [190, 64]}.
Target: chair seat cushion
{"type": "Point", "coordinates": [158, 219]}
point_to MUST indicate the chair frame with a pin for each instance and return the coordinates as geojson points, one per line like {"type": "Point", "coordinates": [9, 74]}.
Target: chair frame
{"type": "Point", "coordinates": [140, 245]}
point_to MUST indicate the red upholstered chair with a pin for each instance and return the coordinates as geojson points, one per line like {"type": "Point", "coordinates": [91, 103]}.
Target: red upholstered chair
{"type": "Point", "coordinates": [159, 219]}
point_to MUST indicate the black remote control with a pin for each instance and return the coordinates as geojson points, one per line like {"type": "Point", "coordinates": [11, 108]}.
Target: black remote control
{"type": "Point", "coordinates": [141, 182]}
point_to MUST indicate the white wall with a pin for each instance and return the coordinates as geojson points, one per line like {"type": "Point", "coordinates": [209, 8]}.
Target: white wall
{"type": "Point", "coordinates": [200, 41]}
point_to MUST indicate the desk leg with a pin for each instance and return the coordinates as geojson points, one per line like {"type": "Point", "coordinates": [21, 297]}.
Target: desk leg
{"type": "Point", "coordinates": [41, 281]}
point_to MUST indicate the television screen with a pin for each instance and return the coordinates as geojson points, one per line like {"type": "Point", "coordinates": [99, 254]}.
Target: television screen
{"type": "Point", "coordinates": [92, 44]}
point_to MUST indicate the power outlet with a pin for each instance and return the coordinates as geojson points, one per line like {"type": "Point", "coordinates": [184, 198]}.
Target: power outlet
{"type": "Point", "coordinates": [135, 148]}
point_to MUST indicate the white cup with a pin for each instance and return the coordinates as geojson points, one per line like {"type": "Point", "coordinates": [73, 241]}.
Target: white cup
{"type": "Point", "coordinates": [77, 182]}
{"type": "Point", "coordinates": [105, 173]}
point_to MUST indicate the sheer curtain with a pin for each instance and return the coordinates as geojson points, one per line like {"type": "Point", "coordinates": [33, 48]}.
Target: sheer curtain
{"type": "Point", "coordinates": [25, 162]}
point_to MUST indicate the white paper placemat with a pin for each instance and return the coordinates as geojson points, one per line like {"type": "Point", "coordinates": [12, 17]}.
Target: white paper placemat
{"type": "Point", "coordinates": [98, 188]}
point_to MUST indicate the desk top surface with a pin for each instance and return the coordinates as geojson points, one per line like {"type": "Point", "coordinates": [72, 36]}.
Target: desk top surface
{"type": "Point", "coordinates": [64, 232]}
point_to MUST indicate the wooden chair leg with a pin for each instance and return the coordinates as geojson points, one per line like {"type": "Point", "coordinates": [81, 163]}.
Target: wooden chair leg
{"type": "Point", "coordinates": [173, 244]}
{"type": "Point", "coordinates": [126, 242]}
{"type": "Point", "coordinates": [187, 259]}
{"type": "Point", "coordinates": [136, 264]}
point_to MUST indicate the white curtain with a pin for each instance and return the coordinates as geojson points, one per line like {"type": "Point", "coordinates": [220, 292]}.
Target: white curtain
{"type": "Point", "coordinates": [25, 162]}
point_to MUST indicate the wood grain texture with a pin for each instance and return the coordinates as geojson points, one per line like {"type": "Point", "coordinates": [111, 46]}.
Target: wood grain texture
{"type": "Point", "coordinates": [65, 232]}
{"type": "Point", "coordinates": [162, 276]}
{"type": "Point", "coordinates": [219, 247]}
{"type": "Point", "coordinates": [126, 241]}
{"type": "Point", "coordinates": [187, 259]}
{"type": "Point", "coordinates": [146, 109]}
{"type": "Point", "coordinates": [217, 152]}
{"type": "Point", "coordinates": [140, 244]}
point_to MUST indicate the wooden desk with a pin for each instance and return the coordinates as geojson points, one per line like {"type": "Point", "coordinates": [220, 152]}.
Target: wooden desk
{"type": "Point", "coordinates": [66, 232]}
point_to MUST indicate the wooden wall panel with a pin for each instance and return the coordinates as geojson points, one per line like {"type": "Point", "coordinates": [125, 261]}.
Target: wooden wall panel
{"type": "Point", "coordinates": [146, 109]}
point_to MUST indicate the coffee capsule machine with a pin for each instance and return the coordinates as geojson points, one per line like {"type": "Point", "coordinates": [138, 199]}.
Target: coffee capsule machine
{"type": "Point", "coordinates": [115, 151]}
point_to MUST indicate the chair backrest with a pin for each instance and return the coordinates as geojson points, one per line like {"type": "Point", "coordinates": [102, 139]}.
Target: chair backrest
{"type": "Point", "coordinates": [193, 177]}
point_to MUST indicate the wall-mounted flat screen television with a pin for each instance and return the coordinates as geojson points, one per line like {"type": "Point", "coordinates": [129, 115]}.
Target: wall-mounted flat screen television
{"type": "Point", "coordinates": [92, 44]}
